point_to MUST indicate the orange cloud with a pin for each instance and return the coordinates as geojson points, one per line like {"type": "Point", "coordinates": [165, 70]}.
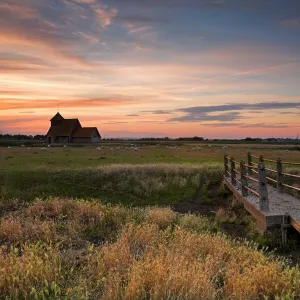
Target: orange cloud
{"type": "Point", "coordinates": [23, 12]}
{"type": "Point", "coordinates": [104, 15]}
{"type": "Point", "coordinates": [41, 47]}
{"type": "Point", "coordinates": [23, 65]}
{"type": "Point", "coordinates": [76, 103]}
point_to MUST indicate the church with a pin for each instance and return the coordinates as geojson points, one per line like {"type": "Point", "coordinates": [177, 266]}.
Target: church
{"type": "Point", "coordinates": [63, 131]}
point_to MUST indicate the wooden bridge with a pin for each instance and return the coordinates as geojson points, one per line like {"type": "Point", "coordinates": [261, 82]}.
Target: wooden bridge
{"type": "Point", "coordinates": [263, 191]}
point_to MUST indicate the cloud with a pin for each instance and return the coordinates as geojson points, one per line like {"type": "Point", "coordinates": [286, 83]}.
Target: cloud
{"type": "Point", "coordinates": [200, 117]}
{"type": "Point", "coordinates": [104, 14]}
{"type": "Point", "coordinates": [75, 103]}
{"type": "Point", "coordinates": [291, 23]}
{"type": "Point", "coordinates": [91, 39]}
{"type": "Point", "coordinates": [232, 111]}
{"type": "Point", "coordinates": [264, 125]}
{"type": "Point", "coordinates": [241, 106]}
{"type": "Point", "coordinates": [85, 1]}
{"type": "Point", "coordinates": [116, 122]}
{"type": "Point", "coordinates": [174, 3]}
{"type": "Point", "coordinates": [27, 112]}
{"type": "Point", "coordinates": [13, 92]}
{"type": "Point", "coordinates": [131, 134]}
{"type": "Point", "coordinates": [41, 42]}
{"type": "Point", "coordinates": [139, 19]}
{"type": "Point", "coordinates": [23, 12]}
{"type": "Point", "coordinates": [227, 124]}
{"type": "Point", "coordinates": [132, 115]}
{"type": "Point", "coordinates": [14, 121]}
{"type": "Point", "coordinates": [20, 65]}
{"type": "Point", "coordinates": [244, 125]}
{"type": "Point", "coordinates": [157, 112]}
{"type": "Point", "coordinates": [57, 35]}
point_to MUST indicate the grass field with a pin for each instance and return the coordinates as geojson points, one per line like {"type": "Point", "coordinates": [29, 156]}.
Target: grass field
{"type": "Point", "coordinates": [80, 224]}
{"type": "Point", "coordinates": [152, 175]}
{"type": "Point", "coordinates": [18, 158]}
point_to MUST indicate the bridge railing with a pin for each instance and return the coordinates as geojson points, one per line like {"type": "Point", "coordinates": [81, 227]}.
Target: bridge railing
{"type": "Point", "coordinates": [257, 173]}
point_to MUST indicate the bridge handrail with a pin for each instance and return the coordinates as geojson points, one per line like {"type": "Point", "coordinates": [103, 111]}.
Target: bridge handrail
{"type": "Point", "coordinates": [236, 171]}
{"type": "Point", "coordinates": [251, 178]}
{"type": "Point", "coordinates": [271, 179]}
{"type": "Point", "coordinates": [290, 163]}
{"type": "Point", "coordinates": [260, 170]}
{"type": "Point", "coordinates": [290, 186]}
{"type": "Point", "coordinates": [252, 191]}
{"type": "Point", "coordinates": [291, 175]}
{"type": "Point", "coordinates": [279, 171]}
{"type": "Point", "coordinates": [271, 170]}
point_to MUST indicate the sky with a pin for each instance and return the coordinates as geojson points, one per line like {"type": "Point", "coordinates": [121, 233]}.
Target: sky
{"type": "Point", "coordinates": [152, 68]}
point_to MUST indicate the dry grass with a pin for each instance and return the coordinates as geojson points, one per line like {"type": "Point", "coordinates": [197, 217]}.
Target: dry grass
{"type": "Point", "coordinates": [81, 250]}
{"type": "Point", "coordinates": [162, 217]}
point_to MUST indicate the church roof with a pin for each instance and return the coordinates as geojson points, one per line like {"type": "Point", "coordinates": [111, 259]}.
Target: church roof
{"type": "Point", "coordinates": [58, 116]}
{"type": "Point", "coordinates": [85, 132]}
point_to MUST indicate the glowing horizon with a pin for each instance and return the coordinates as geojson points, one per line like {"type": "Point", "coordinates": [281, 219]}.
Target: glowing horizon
{"type": "Point", "coordinates": [211, 68]}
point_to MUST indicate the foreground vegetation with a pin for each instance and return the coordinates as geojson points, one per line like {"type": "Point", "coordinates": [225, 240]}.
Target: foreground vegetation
{"type": "Point", "coordinates": [117, 246]}
{"type": "Point", "coordinates": [67, 249]}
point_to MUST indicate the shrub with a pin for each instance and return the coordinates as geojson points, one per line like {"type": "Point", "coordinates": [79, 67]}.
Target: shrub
{"type": "Point", "coordinates": [197, 223]}
{"type": "Point", "coordinates": [162, 217]}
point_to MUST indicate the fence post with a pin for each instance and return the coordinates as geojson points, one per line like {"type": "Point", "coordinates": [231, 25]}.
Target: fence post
{"type": "Point", "coordinates": [244, 180]}
{"type": "Point", "coordinates": [279, 176]}
{"type": "Point", "coordinates": [263, 191]}
{"type": "Point", "coordinates": [226, 165]}
{"type": "Point", "coordinates": [233, 174]}
{"type": "Point", "coordinates": [250, 172]}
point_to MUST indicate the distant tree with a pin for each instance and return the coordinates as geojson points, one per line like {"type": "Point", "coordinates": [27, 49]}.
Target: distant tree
{"type": "Point", "coordinates": [196, 138]}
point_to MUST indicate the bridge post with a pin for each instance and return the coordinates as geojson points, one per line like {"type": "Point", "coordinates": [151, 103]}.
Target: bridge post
{"type": "Point", "coordinates": [226, 165]}
{"type": "Point", "coordinates": [250, 172]}
{"type": "Point", "coordinates": [284, 228]}
{"type": "Point", "coordinates": [233, 174]}
{"type": "Point", "coordinates": [279, 176]}
{"type": "Point", "coordinates": [263, 191]}
{"type": "Point", "coordinates": [244, 180]}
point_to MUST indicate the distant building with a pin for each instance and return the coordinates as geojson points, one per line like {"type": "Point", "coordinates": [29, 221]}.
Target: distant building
{"type": "Point", "coordinates": [64, 131]}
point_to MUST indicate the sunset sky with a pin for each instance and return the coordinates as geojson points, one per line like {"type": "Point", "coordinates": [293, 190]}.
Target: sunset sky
{"type": "Point", "coordinates": [134, 68]}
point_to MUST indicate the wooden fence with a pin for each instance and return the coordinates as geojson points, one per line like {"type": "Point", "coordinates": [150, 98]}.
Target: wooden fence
{"type": "Point", "coordinates": [257, 172]}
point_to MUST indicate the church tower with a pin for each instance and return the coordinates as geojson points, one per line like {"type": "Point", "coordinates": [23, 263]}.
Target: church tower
{"type": "Point", "coordinates": [56, 120]}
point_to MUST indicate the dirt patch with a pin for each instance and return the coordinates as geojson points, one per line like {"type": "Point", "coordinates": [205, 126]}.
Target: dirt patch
{"type": "Point", "coordinates": [206, 202]}
{"type": "Point", "coordinates": [195, 206]}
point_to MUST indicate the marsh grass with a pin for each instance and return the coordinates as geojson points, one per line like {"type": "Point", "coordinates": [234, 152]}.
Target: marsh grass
{"type": "Point", "coordinates": [137, 253]}
{"type": "Point", "coordinates": [128, 184]}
